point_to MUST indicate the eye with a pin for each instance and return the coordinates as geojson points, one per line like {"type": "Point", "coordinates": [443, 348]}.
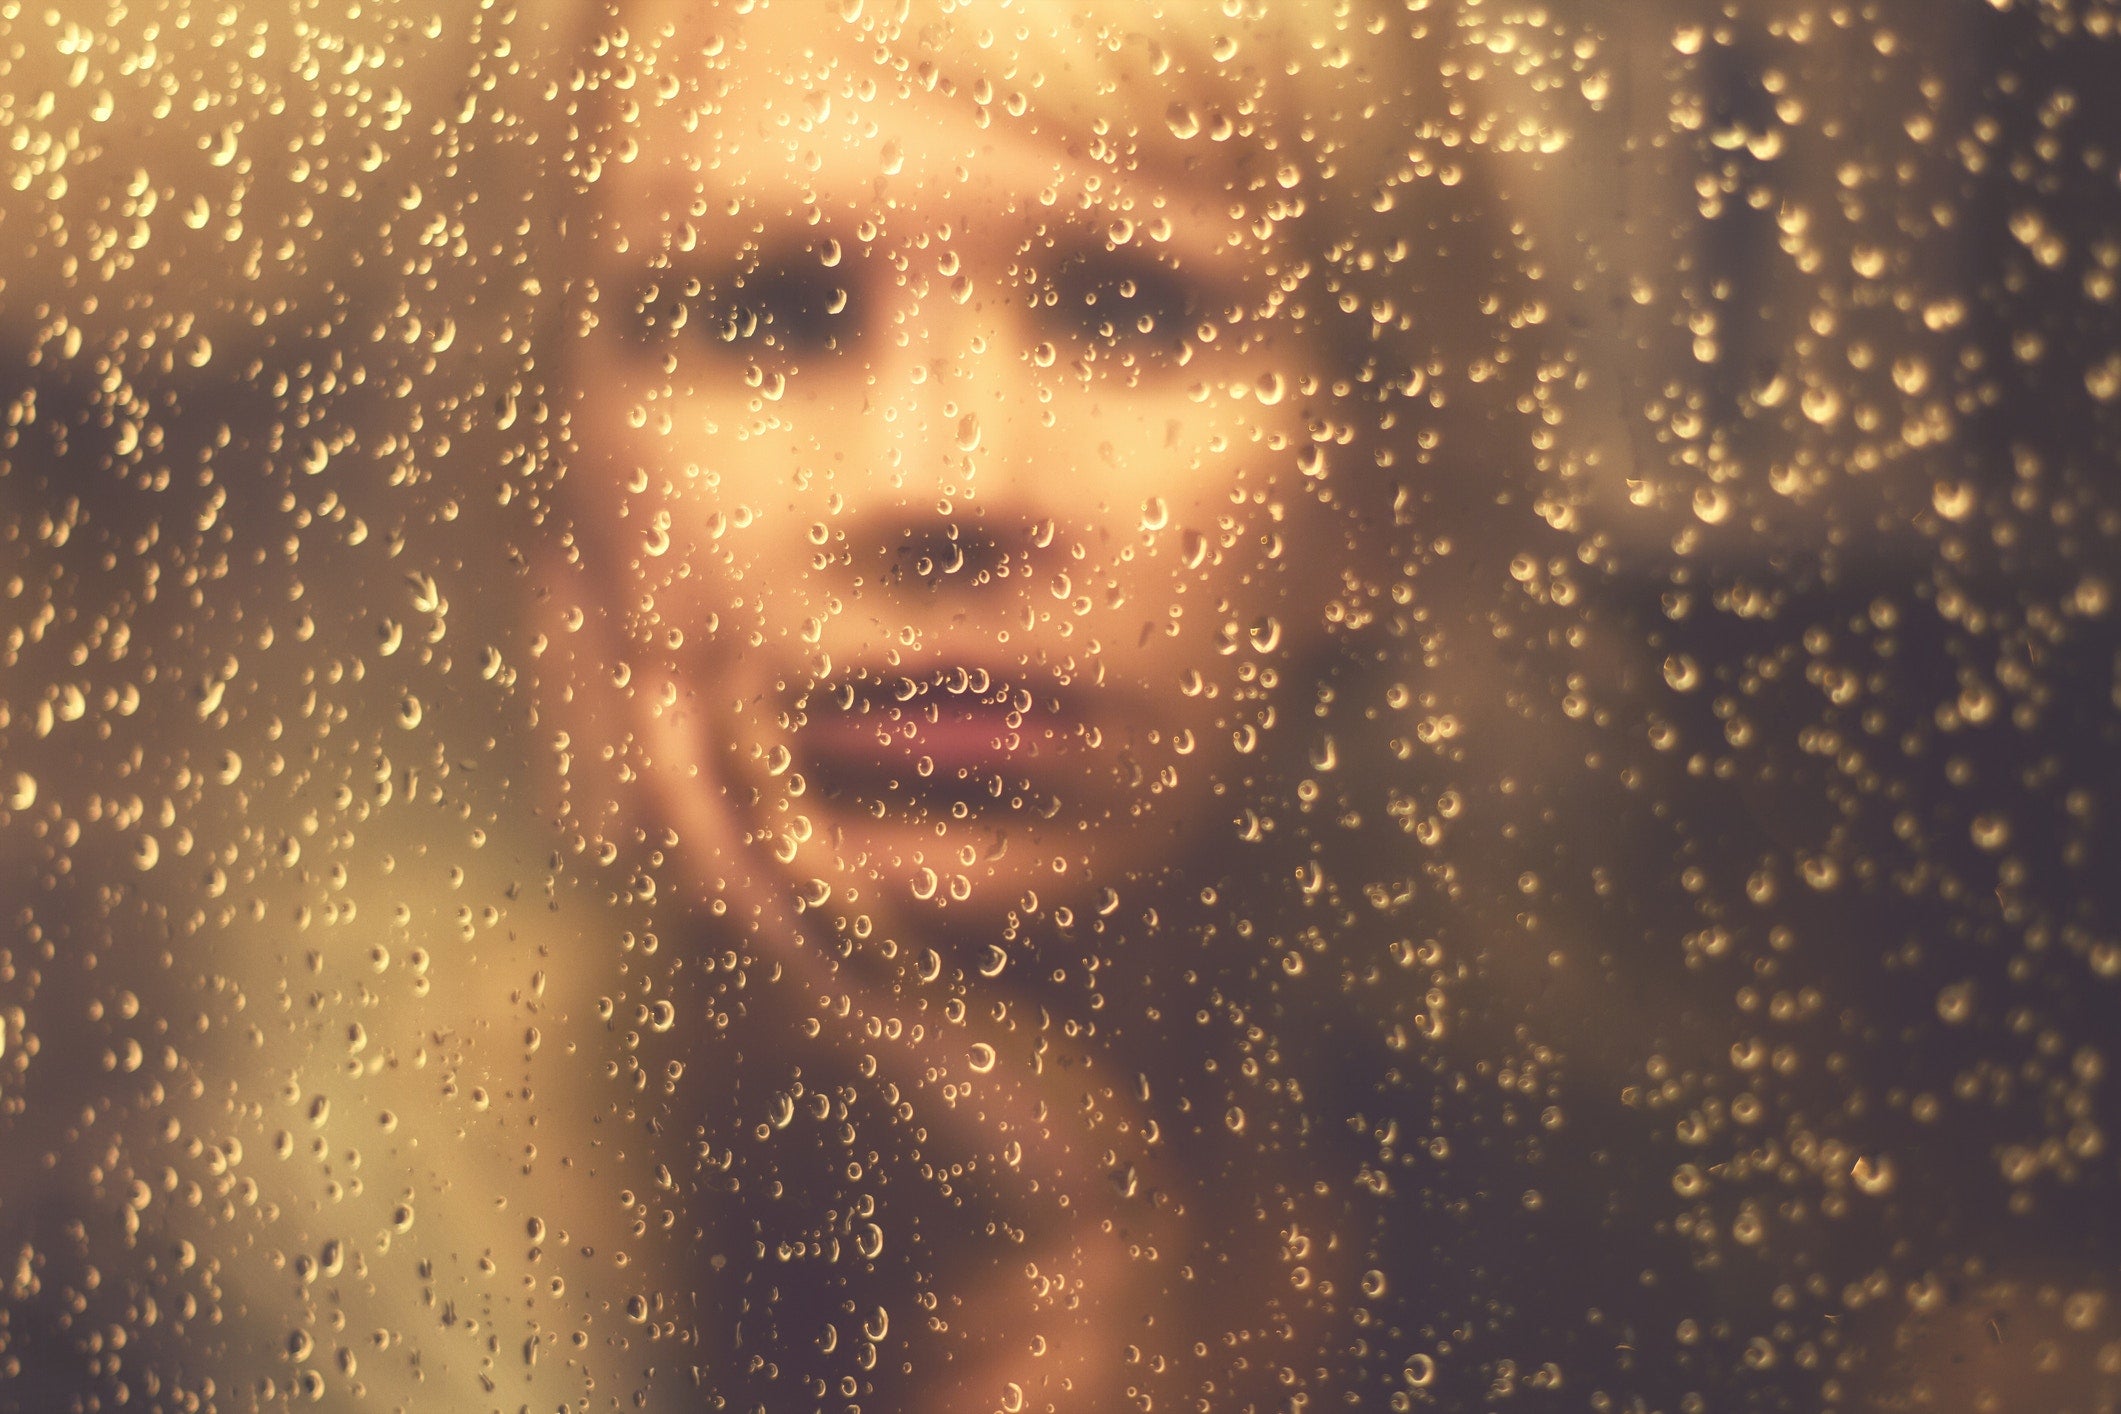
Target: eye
{"type": "Point", "coordinates": [792, 306]}
{"type": "Point", "coordinates": [1124, 303]}
{"type": "Point", "coordinates": [788, 305]}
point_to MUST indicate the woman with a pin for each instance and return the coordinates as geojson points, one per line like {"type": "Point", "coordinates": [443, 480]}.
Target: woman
{"type": "Point", "coordinates": [978, 504]}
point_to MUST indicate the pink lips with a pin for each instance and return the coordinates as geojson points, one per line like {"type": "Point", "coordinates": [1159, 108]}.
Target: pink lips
{"type": "Point", "coordinates": [954, 740]}
{"type": "Point", "coordinates": [858, 732]}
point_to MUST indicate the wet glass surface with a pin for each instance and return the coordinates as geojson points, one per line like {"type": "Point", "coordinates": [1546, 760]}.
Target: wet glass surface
{"type": "Point", "coordinates": [875, 705]}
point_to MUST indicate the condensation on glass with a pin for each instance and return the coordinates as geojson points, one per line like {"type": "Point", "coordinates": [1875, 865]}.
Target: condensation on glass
{"type": "Point", "coordinates": [889, 705]}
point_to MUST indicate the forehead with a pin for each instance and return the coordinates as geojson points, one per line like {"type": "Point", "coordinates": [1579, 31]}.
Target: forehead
{"type": "Point", "coordinates": [789, 109]}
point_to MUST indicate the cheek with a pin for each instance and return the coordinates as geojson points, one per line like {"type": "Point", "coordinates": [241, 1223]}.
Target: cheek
{"type": "Point", "coordinates": [1262, 590]}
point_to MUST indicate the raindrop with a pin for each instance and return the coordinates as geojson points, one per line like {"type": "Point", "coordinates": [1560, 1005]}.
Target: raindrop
{"type": "Point", "coordinates": [1873, 1175]}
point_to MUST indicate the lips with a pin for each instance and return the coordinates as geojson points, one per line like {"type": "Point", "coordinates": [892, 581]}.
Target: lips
{"type": "Point", "coordinates": [941, 729]}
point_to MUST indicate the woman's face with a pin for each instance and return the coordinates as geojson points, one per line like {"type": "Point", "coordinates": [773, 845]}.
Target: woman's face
{"type": "Point", "coordinates": [945, 458]}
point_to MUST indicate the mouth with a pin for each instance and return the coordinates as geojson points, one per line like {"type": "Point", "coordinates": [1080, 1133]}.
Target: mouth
{"type": "Point", "coordinates": [953, 733]}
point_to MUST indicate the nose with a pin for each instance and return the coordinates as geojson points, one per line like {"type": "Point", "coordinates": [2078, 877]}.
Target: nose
{"type": "Point", "coordinates": [960, 476]}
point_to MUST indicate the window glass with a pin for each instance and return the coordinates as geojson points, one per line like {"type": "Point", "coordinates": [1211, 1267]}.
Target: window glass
{"type": "Point", "coordinates": [900, 705]}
